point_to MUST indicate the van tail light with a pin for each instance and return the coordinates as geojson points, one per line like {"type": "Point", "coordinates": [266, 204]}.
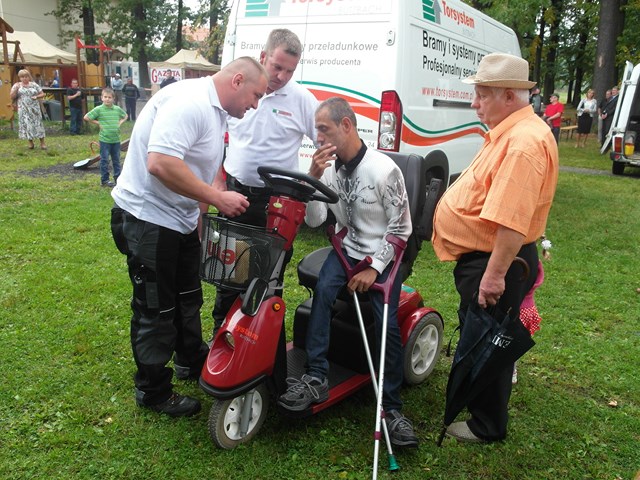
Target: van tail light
{"type": "Point", "coordinates": [617, 144]}
{"type": "Point", "coordinates": [390, 122]}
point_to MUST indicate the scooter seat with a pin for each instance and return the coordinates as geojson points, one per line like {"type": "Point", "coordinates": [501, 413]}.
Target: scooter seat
{"type": "Point", "coordinates": [309, 267]}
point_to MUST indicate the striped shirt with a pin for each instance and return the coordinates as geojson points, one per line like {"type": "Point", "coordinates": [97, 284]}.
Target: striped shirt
{"type": "Point", "coordinates": [109, 118]}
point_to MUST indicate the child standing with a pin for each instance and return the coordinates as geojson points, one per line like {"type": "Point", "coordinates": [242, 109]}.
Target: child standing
{"type": "Point", "coordinates": [108, 117]}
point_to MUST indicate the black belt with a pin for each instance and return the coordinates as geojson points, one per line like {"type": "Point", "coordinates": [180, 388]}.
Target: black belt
{"type": "Point", "coordinates": [467, 257]}
{"type": "Point", "coordinates": [236, 186]}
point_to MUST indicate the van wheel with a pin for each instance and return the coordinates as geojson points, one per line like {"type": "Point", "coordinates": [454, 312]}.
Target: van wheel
{"type": "Point", "coordinates": [226, 416]}
{"type": "Point", "coordinates": [617, 168]}
{"type": "Point", "coordinates": [422, 350]}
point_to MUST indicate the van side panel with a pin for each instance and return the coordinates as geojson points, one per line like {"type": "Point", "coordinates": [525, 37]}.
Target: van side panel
{"type": "Point", "coordinates": [442, 45]}
{"type": "Point", "coordinates": [357, 49]}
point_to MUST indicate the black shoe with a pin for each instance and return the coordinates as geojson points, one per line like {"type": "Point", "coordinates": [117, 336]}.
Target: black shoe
{"type": "Point", "coordinates": [176, 406]}
{"type": "Point", "coordinates": [108, 184]}
{"type": "Point", "coordinates": [400, 430]}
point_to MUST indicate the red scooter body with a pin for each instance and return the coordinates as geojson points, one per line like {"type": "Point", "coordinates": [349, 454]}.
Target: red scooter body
{"type": "Point", "coordinates": [250, 359]}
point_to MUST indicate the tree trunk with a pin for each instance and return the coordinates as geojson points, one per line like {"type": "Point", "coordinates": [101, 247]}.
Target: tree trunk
{"type": "Point", "coordinates": [179, 27]}
{"type": "Point", "coordinates": [89, 29]}
{"type": "Point", "coordinates": [214, 15]}
{"type": "Point", "coordinates": [554, 35]}
{"type": "Point", "coordinates": [580, 61]}
{"type": "Point", "coordinates": [538, 56]}
{"type": "Point", "coordinates": [140, 43]}
{"type": "Point", "coordinates": [609, 27]}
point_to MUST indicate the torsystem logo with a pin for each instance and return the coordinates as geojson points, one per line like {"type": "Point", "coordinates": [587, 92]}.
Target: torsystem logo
{"type": "Point", "coordinates": [431, 11]}
{"type": "Point", "coordinates": [262, 8]}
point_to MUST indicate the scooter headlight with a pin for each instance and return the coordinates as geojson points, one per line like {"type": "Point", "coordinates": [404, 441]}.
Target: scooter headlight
{"type": "Point", "coordinates": [229, 340]}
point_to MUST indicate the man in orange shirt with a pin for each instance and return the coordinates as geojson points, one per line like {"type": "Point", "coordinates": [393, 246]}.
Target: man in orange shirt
{"type": "Point", "coordinates": [495, 211]}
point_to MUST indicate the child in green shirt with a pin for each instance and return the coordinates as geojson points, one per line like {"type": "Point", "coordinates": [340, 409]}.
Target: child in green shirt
{"type": "Point", "coordinates": [109, 117]}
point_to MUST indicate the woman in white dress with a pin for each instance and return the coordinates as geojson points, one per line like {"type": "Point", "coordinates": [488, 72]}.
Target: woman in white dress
{"type": "Point", "coordinates": [587, 109]}
{"type": "Point", "coordinates": [28, 93]}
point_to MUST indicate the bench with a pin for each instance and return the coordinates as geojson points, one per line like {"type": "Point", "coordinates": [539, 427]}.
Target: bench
{"type": "Point", "coordinates": [568, 130]}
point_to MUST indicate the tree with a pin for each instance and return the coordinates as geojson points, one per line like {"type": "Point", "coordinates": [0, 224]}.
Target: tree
{"type": "Point", "coordinates": [610, 26]}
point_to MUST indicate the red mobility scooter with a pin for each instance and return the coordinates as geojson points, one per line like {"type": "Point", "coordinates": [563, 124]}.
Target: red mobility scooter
{"type": "Point", "coordinates": [250, 358]}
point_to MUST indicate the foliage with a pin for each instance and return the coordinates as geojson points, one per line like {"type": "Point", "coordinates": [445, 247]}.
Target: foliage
{"type": "Point", "coordinates": [66, 403]}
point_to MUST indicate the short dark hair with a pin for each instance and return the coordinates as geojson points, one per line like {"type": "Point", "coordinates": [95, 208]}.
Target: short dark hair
{"type": "Point", "coordinates": [338, 108]}
{"type": "Point", "coordinates": [281, 37]}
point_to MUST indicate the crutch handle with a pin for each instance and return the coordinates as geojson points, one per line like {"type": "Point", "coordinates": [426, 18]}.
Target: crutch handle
{"type": "Point", "coordinates": [385, 287]}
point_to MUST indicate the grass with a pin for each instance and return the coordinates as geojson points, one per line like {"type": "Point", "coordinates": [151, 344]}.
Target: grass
{"type": "Point", "coordinates": [66, 402]}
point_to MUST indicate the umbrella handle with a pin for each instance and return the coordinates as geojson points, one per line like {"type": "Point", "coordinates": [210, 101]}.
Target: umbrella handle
{"type": "Point", "coordinates": [525, 268]}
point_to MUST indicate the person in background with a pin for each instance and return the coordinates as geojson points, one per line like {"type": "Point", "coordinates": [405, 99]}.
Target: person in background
{"type": "Point", "coordinates": [553, 115]}
{"type": "Point", "coordinates": [603, 102]}
{"type": "Point", "coordinates": [27, 94]}
{"type": "Point", "coordinates": [175, 150]}
{"type": "Point", "coordinates": [269, 135]}
{"type": "Point", "coordinates": [607, 111]}
{"type": "Point", "coordinates": [131, 95]}
{"type": "Point", "coordinates": [380, 208]}
{"type": "Point", "coordinates": [74, 97]}
{"type": "Point", "coordinates": [493, 212]}
{"type": "Point", "coordinates": [168, 79]}
{"type": "Point", "coordinates": [587, 109]}
{"type": "Point", "coordinates": [535, 99]}
{"type": "Point", "coordinates": [108, 117]}
{"type": "Point", "coordinates": [116, 86]}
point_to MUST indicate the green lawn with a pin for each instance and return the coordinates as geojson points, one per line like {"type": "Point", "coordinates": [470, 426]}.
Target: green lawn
{"type": "Point", "coordinates": [66, 403]}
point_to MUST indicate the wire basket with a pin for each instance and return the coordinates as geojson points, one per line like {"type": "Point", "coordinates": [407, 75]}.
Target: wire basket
{"type": "Point", "coordinates": [232, 254]}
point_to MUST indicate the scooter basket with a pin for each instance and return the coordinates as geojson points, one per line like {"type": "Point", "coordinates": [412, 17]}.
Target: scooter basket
{"type": "Point", "coordinates": [233, 254]}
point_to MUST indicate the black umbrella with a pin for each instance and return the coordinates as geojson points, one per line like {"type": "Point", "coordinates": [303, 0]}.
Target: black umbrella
{"type": "Point", "coordinates": [487, 345]}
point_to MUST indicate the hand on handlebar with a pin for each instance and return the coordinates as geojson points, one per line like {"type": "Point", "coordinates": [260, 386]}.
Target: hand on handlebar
{"type": "Point", "coordinates": [361, 281]}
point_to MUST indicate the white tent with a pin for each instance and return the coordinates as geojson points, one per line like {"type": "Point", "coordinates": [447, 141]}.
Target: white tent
{"type": "Point", "coordinates": [184, 64]}
{"type": "Point", "coordinates": [187, 59]}
{"type": "Point", "coordinates": [37, 51]}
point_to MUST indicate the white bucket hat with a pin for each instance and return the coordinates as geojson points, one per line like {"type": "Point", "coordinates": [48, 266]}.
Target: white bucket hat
{"type": "Point", "coordinates": [501, 70]}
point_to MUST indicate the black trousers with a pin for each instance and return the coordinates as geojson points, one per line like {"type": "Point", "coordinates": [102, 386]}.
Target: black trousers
{"type": "Point", "coordinates": [489, 410]}
{"type": "Point", "coordinates": [167, 296]}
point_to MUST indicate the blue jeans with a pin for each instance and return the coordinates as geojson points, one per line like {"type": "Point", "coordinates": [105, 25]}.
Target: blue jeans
{"type": "Point", "coordinates": [107, 149]}
{"type": "Point", "coordinates": [331, 279]}
{"type": "Point", "coordinates": [76, 120]}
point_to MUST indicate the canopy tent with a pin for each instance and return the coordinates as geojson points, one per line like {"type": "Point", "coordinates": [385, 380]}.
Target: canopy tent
{"type": "Point", "coordinates": [37, 51]}
{"type": "Point", "coordinates": [187, 59]}
{"type": "Point", "coordinates": [184, 64]}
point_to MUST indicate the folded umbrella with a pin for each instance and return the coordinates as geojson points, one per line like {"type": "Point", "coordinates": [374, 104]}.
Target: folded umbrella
{"type": "Point", "coordinates": [489, 342]}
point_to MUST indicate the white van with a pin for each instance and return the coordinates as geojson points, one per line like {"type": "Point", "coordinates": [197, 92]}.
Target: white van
{"type": "Point", "coordinates": [624, 136]}
{"type": "Point", "coordinates": [398, 63]}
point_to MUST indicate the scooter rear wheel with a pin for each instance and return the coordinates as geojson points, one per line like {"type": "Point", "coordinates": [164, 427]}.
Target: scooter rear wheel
{"type": "Point", "coordinates": [225, 418]}
{"type": "Point", "coordinates": [422, 350]}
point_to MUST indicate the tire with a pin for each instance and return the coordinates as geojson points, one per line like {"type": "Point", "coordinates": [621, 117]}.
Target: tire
{"type": "Point", "coordinates": [225, 417]}
{"type": "Point", "coordinates": [617, 168]}
{"type": "Point", "coordinates": [422, 350]}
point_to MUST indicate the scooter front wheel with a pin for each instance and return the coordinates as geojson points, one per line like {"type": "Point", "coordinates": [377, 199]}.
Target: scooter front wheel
{"type": "Point", "coordinates": [228, 418]}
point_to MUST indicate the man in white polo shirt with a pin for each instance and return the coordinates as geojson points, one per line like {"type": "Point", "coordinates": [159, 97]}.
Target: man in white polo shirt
{"type": "Point", "coordinates": [175, 151]}
{"type": "Point", "coordinates": [269, 135]}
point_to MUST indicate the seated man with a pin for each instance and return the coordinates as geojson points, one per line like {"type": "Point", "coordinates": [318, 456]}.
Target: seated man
{"type": "Point", "coordinates": [373, 203]}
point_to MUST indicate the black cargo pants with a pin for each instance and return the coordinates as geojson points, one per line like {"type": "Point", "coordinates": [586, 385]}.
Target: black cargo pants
{"type": "Point", "coordinates": [167, 296]}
